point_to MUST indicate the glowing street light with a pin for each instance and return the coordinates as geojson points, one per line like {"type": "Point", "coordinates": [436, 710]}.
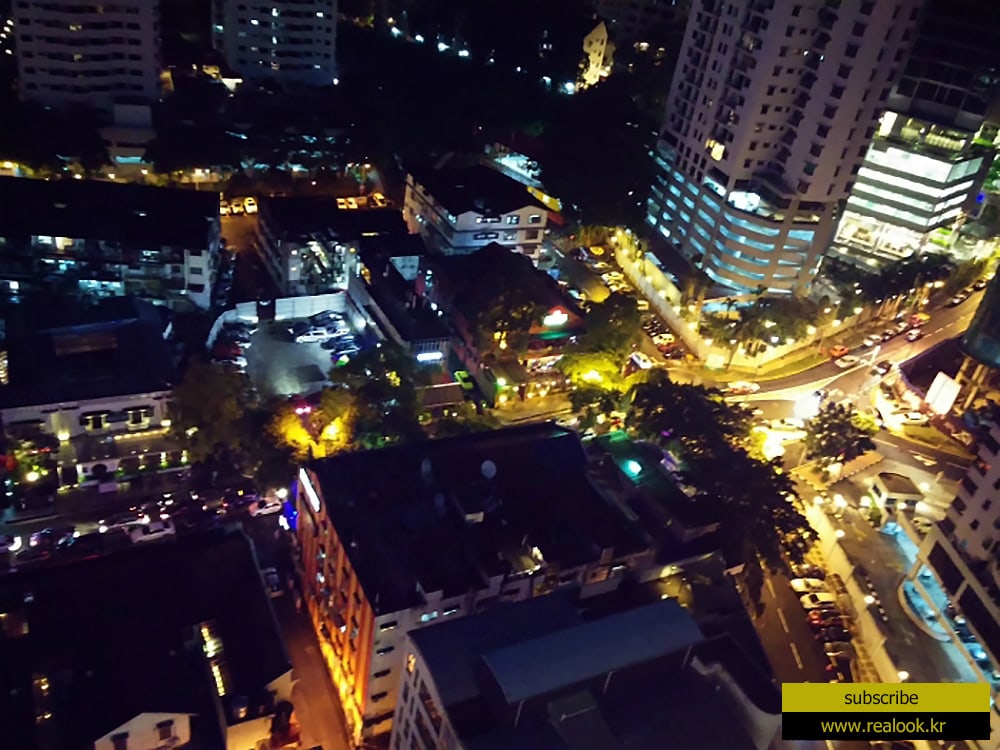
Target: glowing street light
{"type": "Point", "coordinates": [903, 675]}
{"type": "Point", "coordinates": [839, 533]}
{"type": "Point", "coordinates": [869, 599]}
{"type": "Point", "coordinates": [32, 476]}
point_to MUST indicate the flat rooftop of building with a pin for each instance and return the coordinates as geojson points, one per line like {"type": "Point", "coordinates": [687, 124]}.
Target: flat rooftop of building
{"type": "Point", "coordinates": [132, 215]}
{"type": "Point", "coordinates": [392, 246]}
{"type": "Point", "coordinates": [427, 516]}
{"type": "Point", "coordinates": [898, 484]}
{"type": "Point", "coordinates": [410, 314]}
{"type": "Point", "coordinates": [302, 216]}
{"type": "Point", "coordinates": [661, 494]}
{"type": "Point", "coordinates": [73, 351]}
{"type": "Point", "coordinates": [120, 635]}
{"type": "Point", "coordinates": [649, 701]}
{"type": "Point", "coordinates": [542, 665]}
{"type": "Point", "coordinates": [474, 188]}
{"type": "Point", "coordinates": [465, 276]}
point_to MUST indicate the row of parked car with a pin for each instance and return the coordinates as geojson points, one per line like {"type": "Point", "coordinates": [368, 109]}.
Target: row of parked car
{"type": "Point", "coordinates": [237, 206]}
{"type": "Point", "coordinates": [664, 341]}
{"type": "Point", "coordinates": [831, 628]}
{"type": "Point", "coordinates": [234, 339]}
{"type": "Point", "coordinates": [330, 330]}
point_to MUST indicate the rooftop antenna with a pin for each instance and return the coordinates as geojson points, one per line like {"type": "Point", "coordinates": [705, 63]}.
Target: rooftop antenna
{"type": "Point", "coordinates": [488, 469]}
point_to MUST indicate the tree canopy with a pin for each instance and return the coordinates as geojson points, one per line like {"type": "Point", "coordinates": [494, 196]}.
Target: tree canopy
{"type": "Point", "coordinates": [208, 409]}
{"type": "Point", "coordinates": [837, 434]}
{"type": "Point", "coordinates": [709, 435]}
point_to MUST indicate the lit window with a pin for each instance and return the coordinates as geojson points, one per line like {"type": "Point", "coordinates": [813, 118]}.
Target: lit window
{"type": "Point", "coordinates": [411, 662]}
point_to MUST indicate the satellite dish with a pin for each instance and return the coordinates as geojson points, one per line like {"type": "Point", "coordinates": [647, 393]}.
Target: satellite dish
{"type": "Point", "coordinates": [489, 469]}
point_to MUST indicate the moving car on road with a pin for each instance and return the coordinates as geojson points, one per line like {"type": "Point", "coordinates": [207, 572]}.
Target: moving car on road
{"type": "Point", "coordinates": [838, 351]}
{"type": "Point", "coordinates": [742, 388]}
{"type": "Point", "coordinates": [882, 368]}
{"type": "Point", "coordinates": [915, 335]}
{"type": "Point", "coordinates": [847, 362]}
{"type": "Point", "coordinates": [149, 532]}
{"type": "Point", "coordinates": [265, 506]}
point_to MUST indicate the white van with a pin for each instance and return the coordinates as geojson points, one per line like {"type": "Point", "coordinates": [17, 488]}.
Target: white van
{"type": "Point", "coordinates": [641, 361]}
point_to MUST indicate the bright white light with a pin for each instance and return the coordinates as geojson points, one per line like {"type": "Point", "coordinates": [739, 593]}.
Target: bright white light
{"type": "Point", "coordinates": [310, 490]}
{"type": "Point", "coordinates": [395, 32]}
{"type": "Point", "coordinates": [32, 476]}
{"type": "Point", "coordinates": [556, 317]}
{"type": "Point", "coordinates": [633, 467]}
{"type": "Point", "coordinates": [16, 544]}
{"type": "Point", "coordinates": [839, 501]}
{"type": "Point", "coordinates": [282, 493]}
{"type": "Point", "coordinates": [839, 534]}
{"type": "Point", "coordinates": [903, 675]}
{"type": "Point", "coordinates": [807, 406]}
{"type": "Point", "coordinates": [569, 88]}
{"type": "Point", "coordinates": [283, 523]}
{"type": "Point", "coordinates": [419, 38]}
{"type": "Point", "coordinates": [869, 599]}
{"type": "Point", "coordinates": [463, 53]}
{"type": "Point", "coordinates": [442, 47]}
{"type": "Point", "coordinates": [430, 357]}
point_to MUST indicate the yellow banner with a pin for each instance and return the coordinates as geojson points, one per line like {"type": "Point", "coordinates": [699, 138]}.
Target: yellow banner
{"type": "Point", "coordinates": [839, 697]}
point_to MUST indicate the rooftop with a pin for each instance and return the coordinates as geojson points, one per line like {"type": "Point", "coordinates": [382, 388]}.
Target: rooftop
{"type": "Point", "coordinates": [408, 312]}
{"type": "Point", "coordinates": [76, 352]}
{"type": "Point", "coordinates": [532, 649]}
{"type": "Point", "coordinates": [898, 484]}
{"type": "Point", "coordinates": [475, 188]}
{"type": "Point", "coordinates": [427, 517]}
{"type": "Point", "coordinates": [127, 214]}
{"type": "Point", "coordinates": [478, 278]}
{"type": "Point", "coordinates": [545, 664]}
{"type": "Point", "coordinates": [80, 632]}
{"type": "Point", "coordinates": [302, 216]}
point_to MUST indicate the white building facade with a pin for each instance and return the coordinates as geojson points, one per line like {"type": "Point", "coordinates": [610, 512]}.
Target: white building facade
{"type": "Point", "coordinates": [770, 114]}
{"type": "Point", "coordinates": [465, 226]}
{"type": "Point", "coordinates": [71, 53]}
{"type": "Point", "coordinates": [292, 41]}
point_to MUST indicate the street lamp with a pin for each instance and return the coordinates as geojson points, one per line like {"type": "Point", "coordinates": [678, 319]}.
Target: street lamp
{"type": "Point", "coordinates": [32, 476]}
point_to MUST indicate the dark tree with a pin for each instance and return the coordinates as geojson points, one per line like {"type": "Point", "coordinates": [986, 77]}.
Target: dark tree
{"type": "Point", "coordinates": [837, 435]}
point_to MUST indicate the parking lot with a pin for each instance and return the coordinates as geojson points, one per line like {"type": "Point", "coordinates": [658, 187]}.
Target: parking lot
{"type": "Point", "coordinates": [292, 356]}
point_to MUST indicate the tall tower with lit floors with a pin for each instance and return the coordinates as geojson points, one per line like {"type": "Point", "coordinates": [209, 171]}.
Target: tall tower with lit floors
{"type": "Point", "coordinates": [981, 346]}
{"type": "Point", "coordinates": [771, 110]}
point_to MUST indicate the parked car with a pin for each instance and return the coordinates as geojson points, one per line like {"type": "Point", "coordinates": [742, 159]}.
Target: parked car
{"type": "Point", "coordinates": [312, 335]}
{"type": "Point", "coordinates": [839, 668]}
{"type": "Point", "coordinates": [838, 351]}
{"type": "Point", "coordinates": [872, 340]}
{"type": "Point", "coordinates": [250, 205]}
{"type": "Point", "coordinates": [272, 582]}
{"type": "Point", "coordinates": [224, 208]}
{"type": "Point", "coordinates": [236, 206]}
{"type": "Point", "coordinates": [150, 532]}
{"type": "Point", "coordinates": [816, 600]}
{"type": "Point", "coordinates": [663, 338]}
{"type": "Point", "coordinates": [915, 335]}
{"type": "Point", "coordinates": [839, 647]}
{"type": "Point", "coordinates": [958, 299]}
{"type": "Point", "coordinates": [835, 633]}
{"type": "Point", "coordinates": [902, 326]}
{"type": "Point", "coordinates": [807, 585]}
{"type": "Point", "coordinates": [239, 361]}
{"type": "Point", "coordinates": [122, 520]}
{"type": "Point", "coordinates": [847, 362]}
{"type": "Point", "coordinates": [339, 354]}
{"type": "Point", "coordinates": [980, 285]}
{"type": "Point", "coordinates": [325, 317]}
{"type": "Point", "coordinates": [915, 417]}
{"type": "Point", "coordinates": [889, 334]}
{"type": "Point", "coordinates": [641, 361]}
{"type": "Point", "coordinates": [336, 342]}
{"type": "Point", "coordinates": [807, 570]}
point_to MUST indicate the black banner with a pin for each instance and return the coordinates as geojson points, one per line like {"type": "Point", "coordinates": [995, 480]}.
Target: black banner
{"type": "Point", "coordinates": [885, 726]}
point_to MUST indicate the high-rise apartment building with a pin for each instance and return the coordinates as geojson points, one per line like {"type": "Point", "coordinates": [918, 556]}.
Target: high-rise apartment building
{"type": "Point", "coordinates": [935, 143]}
{"type": "Point", "coordinates": [957, 569]}
{"type": "Point", "coordinates": [91, 54]}
{"type": "Point", "coordinates": [292, 41]}
{"type": "Point", "coordinates": [632, 20]}
{"type": "Point", "coordinates": [771, 111]}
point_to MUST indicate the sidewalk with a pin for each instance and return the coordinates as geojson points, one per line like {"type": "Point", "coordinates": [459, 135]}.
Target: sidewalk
{"type": "Point", "coordinates": [885, 407]}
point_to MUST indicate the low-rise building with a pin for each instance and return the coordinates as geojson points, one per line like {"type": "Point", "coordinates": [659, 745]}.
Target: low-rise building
{"type": "Point", "coordinates": [537, 674]}
{"type": "Point", "coordinates": [106, 239]}
{"type": "Point", "coordinates": [382, 286]}
{"type": "Point", "coordinates": [395, 539]}
{"type": "Point", "coordinates": [306, 242]}
{"type": "Point", "coordinates": [91, 384]}
{"type": "Point", "coordinates": [509, 320]}
{"type": "Point", "coordinates": [204, 666]}
{"type": "Point", "coordinates": [462, 210]}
